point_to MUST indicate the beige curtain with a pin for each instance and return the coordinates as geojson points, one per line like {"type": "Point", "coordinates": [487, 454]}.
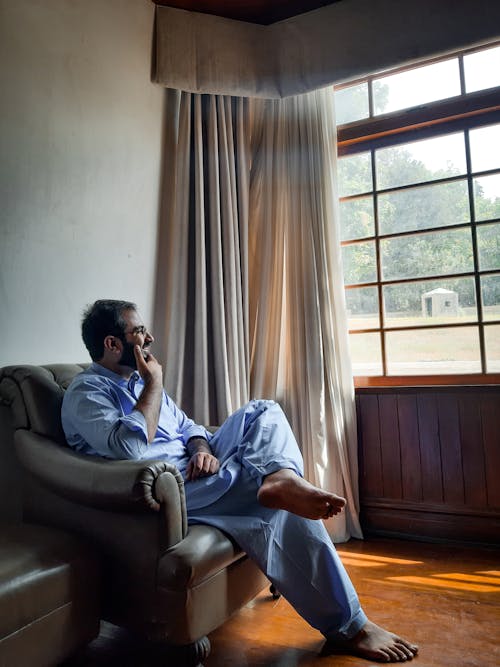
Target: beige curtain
{"type": "Point", "coordinates": [202, 289]}
{"type": "Point", "coordinates": [297, 314]}
{"type": "Point", "coordinates": [202, 53]}
{"type": "Point", "coordinates": [251, 270]}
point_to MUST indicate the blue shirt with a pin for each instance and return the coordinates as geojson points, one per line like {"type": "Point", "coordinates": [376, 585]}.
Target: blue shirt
{"type": "Point", "coordinates": [99, 418]}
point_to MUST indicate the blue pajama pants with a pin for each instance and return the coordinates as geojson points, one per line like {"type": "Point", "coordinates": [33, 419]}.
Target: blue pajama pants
{"type": "Point", "coordinates": [296, 554]}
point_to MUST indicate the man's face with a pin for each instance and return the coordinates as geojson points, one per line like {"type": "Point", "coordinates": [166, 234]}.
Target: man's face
{"type": "Point", "coordinates": [135, 334]}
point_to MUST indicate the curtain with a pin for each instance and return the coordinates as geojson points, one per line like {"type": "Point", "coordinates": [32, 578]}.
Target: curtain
{"type": "Point", "coordinates": [202, 291]}
{"type": "Point", "coordinates": [299, 330]}
{"type": "Point", "coordinates": [332, 44]}
{"type": "Point", "coordinates": [251, 270]}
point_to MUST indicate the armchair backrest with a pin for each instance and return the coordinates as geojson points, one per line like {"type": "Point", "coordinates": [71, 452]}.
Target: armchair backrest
{"type": "Point", "coordinates": [35, 395]}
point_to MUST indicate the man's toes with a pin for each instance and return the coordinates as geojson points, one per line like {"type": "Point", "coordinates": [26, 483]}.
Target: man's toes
{"type": "Point", "coordinates": [392, 654]}
{"type": "Point", "coordinates": [406, 651]}
{"type": "Point", "coordinates": [410, 650]}
{"type": "Point", "coordinates": [395, 655]}
{"type": "Point", "coordinates": [385, 654]}
{"type": "Point", "coordinates": [337, 501]}
{"type": "Point", "coordinates": [401, 651]}
{"type": "Point", "coordinates": [411, 647]}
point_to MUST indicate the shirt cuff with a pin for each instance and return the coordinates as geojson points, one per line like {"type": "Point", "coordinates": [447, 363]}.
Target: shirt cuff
{"type": "Point", "coordinates": [196, 431]}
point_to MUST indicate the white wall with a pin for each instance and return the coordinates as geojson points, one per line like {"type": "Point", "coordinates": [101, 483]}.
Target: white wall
{"type": "Point", "coordinates": [80, 144]}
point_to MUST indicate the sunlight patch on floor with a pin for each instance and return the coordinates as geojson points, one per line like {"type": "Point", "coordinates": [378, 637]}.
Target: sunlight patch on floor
{"type": "Point", "coordinates": [440, 581]}
{"type": "Point", "coordinates": [382, 560]}
{"type": "Point", "coordinates": [347, 560]}
{"type": "Point", "coordinates": [472, 578]}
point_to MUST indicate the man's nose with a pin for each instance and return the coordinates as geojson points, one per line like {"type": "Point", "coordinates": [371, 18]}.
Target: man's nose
{"type": "Point", "coordinates": [149, 337]}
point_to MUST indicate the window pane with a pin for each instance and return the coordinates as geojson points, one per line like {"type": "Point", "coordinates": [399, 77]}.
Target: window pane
{"type": "Point", "coordinates": [482, 141]}
{"type": "Point", "coordinates": [366, 355]}
{"type": "Point", "coordinates": [356, 218]}
{"type": "Point", "coordinates": [490, 295]}
{"type": "Point", "coordinates": [487, 197]}
{"type": "Point", "coordinates": [359, 263]}
{"type": "Point", "coordinates": [433, 351]}
{"type": "Point", "coordinates": [423, 255]}
{"type": "Point", "coordinates": [355, 174]}
{"type": "Point", "coordinates": [416, 86]}
{"type": "Point", "coordinates": [482, 69]}
{"type": "Point", "coordinates": [430, 302]}
{"type": "Point", "coordinates": [492, 344]}
{"type": "Point", "coordinates": [488, 243]}
{"type": "Point", "coordinates": [362, 308]}
{"type": "Point", "coordinates": [351, 103]}
{"type": "Point", "coordinates": [423, 207]}
{"type": "Point", "coordinates": [420, 161]}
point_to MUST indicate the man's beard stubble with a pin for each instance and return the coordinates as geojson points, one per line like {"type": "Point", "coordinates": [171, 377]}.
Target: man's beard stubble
{"type": "Point", "coordinates": [128, 356]}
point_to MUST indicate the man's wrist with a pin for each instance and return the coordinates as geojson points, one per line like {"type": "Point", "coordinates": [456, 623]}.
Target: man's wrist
{"type": "Point", "coordinates": [196, 444]}
{"type": "Point", "coordinates": [153, 381]}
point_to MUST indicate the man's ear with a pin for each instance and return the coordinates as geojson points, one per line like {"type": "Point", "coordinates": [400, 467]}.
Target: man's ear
{"type": "Point", "coordinates": [113, 344]}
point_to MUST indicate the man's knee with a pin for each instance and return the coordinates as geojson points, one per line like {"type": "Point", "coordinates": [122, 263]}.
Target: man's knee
{"type": "Point", "coordinates": [265, 410]}
{"type": "Point", "coordinates": [262, 404]}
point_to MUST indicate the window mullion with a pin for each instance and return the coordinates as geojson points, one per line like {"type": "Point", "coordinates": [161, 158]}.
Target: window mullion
{"type": "Point", "coordinates": [461, 70]}
{"type": "Point", "coordinates": [370, 98]}
{"type": "Point", "coordinates": [379, 265]}
{"type": "Point", "coordinates": [475, 251]}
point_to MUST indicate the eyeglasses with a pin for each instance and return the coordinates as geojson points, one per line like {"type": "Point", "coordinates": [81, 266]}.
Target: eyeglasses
{"type": "Point", "coordinates": [140, 330]}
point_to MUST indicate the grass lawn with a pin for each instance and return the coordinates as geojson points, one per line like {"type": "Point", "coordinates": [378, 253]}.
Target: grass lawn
{"type": "Point", "coordinates": [427, 351]}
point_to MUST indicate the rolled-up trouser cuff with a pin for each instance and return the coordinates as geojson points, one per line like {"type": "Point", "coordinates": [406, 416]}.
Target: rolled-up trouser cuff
{"type": "Point", "coordinates": [259, 472]}
{"type": "Point", "coordinates": [350, 629]}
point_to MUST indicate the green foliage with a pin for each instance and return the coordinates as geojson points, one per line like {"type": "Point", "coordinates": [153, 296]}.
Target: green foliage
{"type": "Point", "coordinates": [414, 209]}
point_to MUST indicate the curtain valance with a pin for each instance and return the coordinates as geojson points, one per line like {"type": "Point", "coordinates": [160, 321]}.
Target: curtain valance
{"type": "Point", "coordinates": [210, 54]}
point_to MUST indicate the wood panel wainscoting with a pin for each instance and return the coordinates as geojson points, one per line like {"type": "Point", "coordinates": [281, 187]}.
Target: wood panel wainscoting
{"type": "Point", "coordinates": [429, 461]}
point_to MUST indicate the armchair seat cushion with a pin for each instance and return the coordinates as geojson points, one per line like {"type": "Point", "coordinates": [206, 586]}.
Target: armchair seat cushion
{"type": "Point", "coordinates": [48, 595]}
{"type": "Point", "coordinates": [203, 553]}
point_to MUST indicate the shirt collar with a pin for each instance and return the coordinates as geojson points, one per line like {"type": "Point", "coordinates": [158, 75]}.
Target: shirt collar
{"type": "Point", "coordinates": [101, 370]}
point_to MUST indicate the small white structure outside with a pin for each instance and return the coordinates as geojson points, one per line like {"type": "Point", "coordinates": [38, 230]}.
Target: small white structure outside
{"type": "Point", "coordinates": [439, 302]}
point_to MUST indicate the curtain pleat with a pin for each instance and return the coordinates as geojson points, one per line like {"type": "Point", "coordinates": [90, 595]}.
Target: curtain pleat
{"type": "Point", "coordinates": [254, 249]}
{"type": "Point", "coordinates": [300, 350]}
{"type": "Point", "coordinates": [205, 323]}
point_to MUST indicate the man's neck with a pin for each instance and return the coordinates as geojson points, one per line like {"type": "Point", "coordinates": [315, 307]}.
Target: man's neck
{"type": "Point", "coordinates": [123, 371]}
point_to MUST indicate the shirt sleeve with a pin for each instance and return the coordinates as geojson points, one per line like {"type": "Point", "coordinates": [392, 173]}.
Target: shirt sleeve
{"type": "Point", "coordinates": [186, 426]}
{"type": "Point", "coordinates": [92, 416]}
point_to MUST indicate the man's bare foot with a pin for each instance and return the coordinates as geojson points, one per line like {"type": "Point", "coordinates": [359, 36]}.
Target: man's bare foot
{"type": "Point", "coordinates": [374, 643]}
{"type": "Point", "coordinates": [285, 490]}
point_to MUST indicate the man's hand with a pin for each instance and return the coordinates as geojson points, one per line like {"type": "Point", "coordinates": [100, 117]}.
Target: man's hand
{"type": "Point", "coordinates": [149, 402]}
{"type": "Point", "coordinates": [147, 365]}
{"type": "Point", "coordinates": [202, 462]}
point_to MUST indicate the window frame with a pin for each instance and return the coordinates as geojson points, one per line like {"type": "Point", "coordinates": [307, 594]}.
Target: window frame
{"type": "Point", "coordinates": [463, 113]}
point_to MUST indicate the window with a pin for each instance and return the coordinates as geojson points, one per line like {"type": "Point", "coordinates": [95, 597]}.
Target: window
{"type": "Point", "coordinates": [419, 188]}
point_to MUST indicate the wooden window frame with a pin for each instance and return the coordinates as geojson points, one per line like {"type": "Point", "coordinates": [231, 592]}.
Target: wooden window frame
{"type": "Point", "coordinates": [461, 113]}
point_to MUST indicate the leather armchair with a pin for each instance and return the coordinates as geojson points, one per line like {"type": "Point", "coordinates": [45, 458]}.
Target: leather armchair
{"type": "Point", "coordinates": [49, 595]}
{"type": "Point", "coordinates": [168, 581]}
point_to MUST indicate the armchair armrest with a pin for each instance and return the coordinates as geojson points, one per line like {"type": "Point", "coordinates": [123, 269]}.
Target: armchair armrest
{"type": "Point", "coordinates": [103, 484]}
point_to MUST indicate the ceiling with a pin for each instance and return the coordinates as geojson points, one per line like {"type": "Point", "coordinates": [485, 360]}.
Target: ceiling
{"type": "Point", "coordinates": [253, 11]}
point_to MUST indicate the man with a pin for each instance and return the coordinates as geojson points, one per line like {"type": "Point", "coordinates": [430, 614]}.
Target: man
{"type": "Point", "coordinates": [246, 479]}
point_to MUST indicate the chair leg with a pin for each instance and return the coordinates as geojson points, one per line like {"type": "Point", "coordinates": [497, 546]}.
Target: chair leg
{"type": "Point", "coordinates": [274, 592]}
{"type": "Point", "coordinates": [187, 655]}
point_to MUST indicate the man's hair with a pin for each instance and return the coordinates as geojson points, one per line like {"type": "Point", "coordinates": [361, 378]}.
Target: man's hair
{"type": "Point", "coordinates": [103, 318]}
